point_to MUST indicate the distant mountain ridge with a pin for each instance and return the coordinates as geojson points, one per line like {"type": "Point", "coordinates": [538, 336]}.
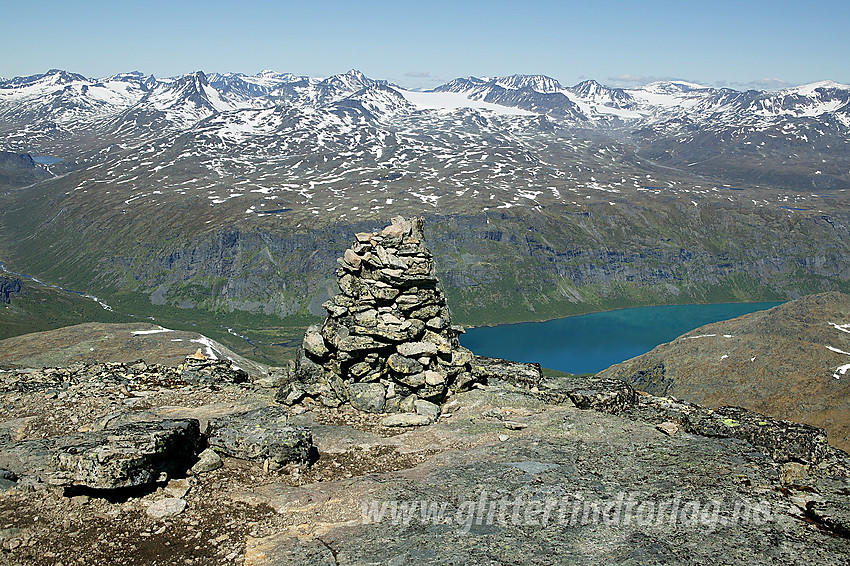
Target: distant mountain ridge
{"type": "Point", "coordinates": [43, 112]}
{"type": "Point", "coordinates": [269, 87]}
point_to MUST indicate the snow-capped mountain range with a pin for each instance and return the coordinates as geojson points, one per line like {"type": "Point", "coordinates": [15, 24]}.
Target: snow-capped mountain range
{"type": "Point", "coordinates": [342, 129]}
{"type": "Point", "coordinates": [69, 101]}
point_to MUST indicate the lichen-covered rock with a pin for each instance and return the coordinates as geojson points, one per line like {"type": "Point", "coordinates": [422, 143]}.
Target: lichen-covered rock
{"type": "Point", "coordinates": [369, 397]}
{"type": "Point", "coordinates": [426, 408]}
{"type": "Point", "coordinates": [206, 370]}
{"type": "Point", "coordinates": [195, 369]}
{"type": "Point", "coordinates": [388, 334]}
{"type": "Point", "coordinates": [130, 455]}
{"type": "Point", "coordinates": [495, 370]}
{"type": "Point", "coordinates": [260, 434]}
{"type": "Point", "coordinates": [314, 343]}
{"type": "Point", "coordinates": [785, 441]}
{"type": "Point", "coordinates": [607, 395]}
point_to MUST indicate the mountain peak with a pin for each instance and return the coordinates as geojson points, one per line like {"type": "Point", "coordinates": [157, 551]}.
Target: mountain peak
{"type": "Point", "coordinates": [379, 99]}
{"type": "Point", "coordinates": [810, 88]}
{"type": "Point", "coordinates": [590, 88]}
{"type": "Point", "coordinates": [539, 83]}
{"type": "Point", "coordinates": [61, 76]}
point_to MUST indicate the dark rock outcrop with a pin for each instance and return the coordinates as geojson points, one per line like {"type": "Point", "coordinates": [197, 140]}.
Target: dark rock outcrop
{"type": "Point", "coordinates": [196, 371]}
{"type": "Point", "coordinates": [606, 395]}
{"type": "Point", "coordinates": [19, 169]}
{"type": "Point", "coordinates": [199, 369]}
{"type": "Point", "coordinates": [784, 441]}
{"type": "Point", "coordinates": [9, 286]}
{"type": "Point", "coordinates": [128, 456]}
{"type": "Point", "coordinates": [493, 371]}
{"type": "Point", "coordinates": [388, 338]}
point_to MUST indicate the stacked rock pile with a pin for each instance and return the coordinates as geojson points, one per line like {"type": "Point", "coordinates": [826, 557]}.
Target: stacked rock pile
{"type": "Point", "coordinates": [388, 340]}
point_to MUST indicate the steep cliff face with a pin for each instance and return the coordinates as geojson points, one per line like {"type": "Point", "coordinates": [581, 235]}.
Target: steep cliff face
{"type": "Point", "coordinates": [500, 267]}
{"type": "Point", "coordinates": [540, 266]}
{"type": "Point", "coordinates": [790, 362]}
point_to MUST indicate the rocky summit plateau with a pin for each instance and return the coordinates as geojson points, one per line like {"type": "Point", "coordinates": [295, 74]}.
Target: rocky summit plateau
{"type": "Point", "coordinates": [385, 442]}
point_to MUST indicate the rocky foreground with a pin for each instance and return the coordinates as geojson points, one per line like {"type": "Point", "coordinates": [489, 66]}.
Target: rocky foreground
{"type": "Point", "coordinates": [138, 464]}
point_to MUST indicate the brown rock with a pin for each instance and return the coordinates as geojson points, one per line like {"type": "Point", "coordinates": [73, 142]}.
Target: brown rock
{"type": "Point", "coordinates": [352, 258]}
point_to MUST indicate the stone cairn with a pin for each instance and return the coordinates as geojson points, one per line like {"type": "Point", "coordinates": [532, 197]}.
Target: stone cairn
{"type": "Point", "coordinates": [388, 343]}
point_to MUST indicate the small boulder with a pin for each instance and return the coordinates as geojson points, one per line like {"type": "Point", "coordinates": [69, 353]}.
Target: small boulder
{"type": "Point", "coordinates": [415, 349]}
{"type": "Point", "coordinates": [260, 434]}
{"type": "Point", "coordinates": [208, 460]}
{"type": "Point", "coordinates": [369, 397]}
{"type": "Point", "coordinates": [434, 378]}
{"type": "Point", "coordinates": [352, 258]}
{"type": "Point", "coordinates": [668, 427]}
{"type": "Point", "coordinates": [314, 343]}
{"type": "Point", "coordinates": [427, 408]}
{"type": "Point", "coordinates": [168, 507]}
{"type": "Point", "coordinates": [403, 364]}
{"type": "Point", "coordinates": [605, 394]}
{"type": "Point", "coordinates": [405, 420]}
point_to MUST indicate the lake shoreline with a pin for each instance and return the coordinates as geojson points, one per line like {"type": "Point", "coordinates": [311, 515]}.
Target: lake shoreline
{"type": "Point", "coordinates": [538, 320]}
{"type": "Point", "coordinates": [591, 342]}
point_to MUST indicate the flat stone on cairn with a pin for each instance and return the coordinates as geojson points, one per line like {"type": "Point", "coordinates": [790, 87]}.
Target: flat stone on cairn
{"type": "Point", "coordinates": [388, 340]}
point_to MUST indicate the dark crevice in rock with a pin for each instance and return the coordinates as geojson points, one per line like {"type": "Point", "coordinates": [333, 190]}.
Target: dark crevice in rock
{"type": "Point", "coordinates": [118, 495]}
{"type": "Point", "coordinates": [833, 515]}
{"type": "Point", "coordinates": [333, 552]}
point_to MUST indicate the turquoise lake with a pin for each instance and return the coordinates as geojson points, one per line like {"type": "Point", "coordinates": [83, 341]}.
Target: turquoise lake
{"type": "Point", "coordinates": [590, 343]}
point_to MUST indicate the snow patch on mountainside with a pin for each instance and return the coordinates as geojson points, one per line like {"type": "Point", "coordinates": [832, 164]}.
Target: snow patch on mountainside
{"type": "Point", "coordinates": [454, 101]}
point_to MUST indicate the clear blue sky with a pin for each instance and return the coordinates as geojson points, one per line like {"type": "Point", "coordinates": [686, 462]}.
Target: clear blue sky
{"type": "Point", "coordinates": [424, 43]}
